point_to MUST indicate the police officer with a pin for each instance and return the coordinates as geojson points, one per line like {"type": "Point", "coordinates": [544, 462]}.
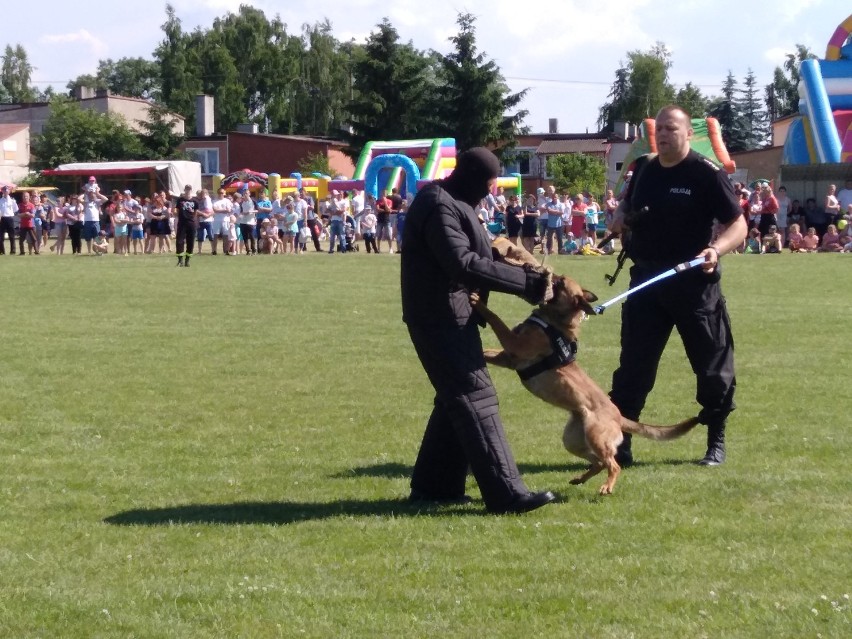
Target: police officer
{"type": "Point", "coordinates": [446, 255]}
{"type": "Point", "coordinates": [678, 194]}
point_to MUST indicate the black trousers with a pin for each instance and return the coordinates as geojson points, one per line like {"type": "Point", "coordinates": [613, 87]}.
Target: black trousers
{"type": "Point", "coordinates": [185, 238]}
{"type": "Point", "coordinates": [75, 232]}
{"type": "Point", "coordinates": [247, 231]}
{"type": "Point", "coordinates": [7, 227]}
{"type": "Point", "coordinates": [370, 242]}
{"type": "Point", "coordinates": [28, 236]}
{"type": "Point", "coordinates": [693, 303]}
{"type": "Point", "coordinates": [464, 430]}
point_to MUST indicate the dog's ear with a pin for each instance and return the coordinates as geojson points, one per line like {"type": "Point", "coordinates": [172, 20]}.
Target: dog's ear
{"type": "Point", "coordinates": [583, 300]}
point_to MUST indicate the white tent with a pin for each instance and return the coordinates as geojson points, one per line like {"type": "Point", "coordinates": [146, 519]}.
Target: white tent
{"type": "Point", "coordinates": [172, 175]}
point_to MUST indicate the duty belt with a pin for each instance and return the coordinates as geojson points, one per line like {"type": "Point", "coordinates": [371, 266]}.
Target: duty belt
{"type": "Point", "coordinates": [564, 351]}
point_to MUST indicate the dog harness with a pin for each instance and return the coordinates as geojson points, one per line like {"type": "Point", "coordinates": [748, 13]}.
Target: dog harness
{"type": "Point", "coordinates": [564, 352]}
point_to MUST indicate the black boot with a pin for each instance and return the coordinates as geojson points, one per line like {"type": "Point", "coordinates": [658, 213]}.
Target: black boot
{"type": "Point", "coordinates": [180, 260]}
{"type": "Point", "coordinates": [623, 455]}
{"type": "Point", "coordinates": [186, 261]}
{"type": "Point", "coordinates": [715, 454]}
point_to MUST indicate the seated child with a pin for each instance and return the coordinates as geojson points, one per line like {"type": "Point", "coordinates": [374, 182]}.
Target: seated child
{"type": "Point", "coordinates": [275, 236]}
{"type": "Point", "coordinates": [794, 239]}
{"type": "Point", "coordinates": [753, 244]}
{"type": "Point", "coordinates": [570, 245]}
{"type": "Point", "coordinates": [810, 243]}
{"type": "Point", "coordinates": [100, 246]}
{"type": "Point", "coordinates": [830, 241]}
{"type": "Point", "coordinates": [772, 241]}
{"type": "Point", "coordinates": [587, 246]}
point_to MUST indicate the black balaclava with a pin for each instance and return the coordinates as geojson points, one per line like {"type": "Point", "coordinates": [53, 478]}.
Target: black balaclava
{"type": "Point", "coordinates": [474, 168]}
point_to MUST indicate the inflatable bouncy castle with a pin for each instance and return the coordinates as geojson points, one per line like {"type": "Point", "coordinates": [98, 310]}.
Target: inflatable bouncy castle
{"type": "Point", "coordinates": [706, 140]}
{"type": "Point", "coordinates": [822, 132]}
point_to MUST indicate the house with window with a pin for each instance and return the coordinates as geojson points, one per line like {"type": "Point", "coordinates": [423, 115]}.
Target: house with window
{"type": "Point", "coordinates": [14, 152]}
{"type": "Point", "coordinates": [530, 156]}
{"type": "Point", "coordinates": [246, 148]}
{"type": "Point", "coordinates": [133, 110]}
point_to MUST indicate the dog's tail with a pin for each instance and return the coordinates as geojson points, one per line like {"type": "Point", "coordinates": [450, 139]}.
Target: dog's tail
{"type": "Point", "coordinates": [658, 433]}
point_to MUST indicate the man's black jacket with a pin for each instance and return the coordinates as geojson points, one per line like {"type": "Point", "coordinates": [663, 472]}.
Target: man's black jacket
{"type": "Point", "coordinates": [446, 254]}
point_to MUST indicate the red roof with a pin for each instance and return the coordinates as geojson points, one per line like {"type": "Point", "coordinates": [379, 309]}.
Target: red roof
{"type": "Point", "coordinates": [8, 130]}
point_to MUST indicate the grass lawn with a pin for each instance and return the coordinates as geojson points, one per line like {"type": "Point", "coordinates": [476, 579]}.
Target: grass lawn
{"type": "Point", "coordinates": [224, 451]}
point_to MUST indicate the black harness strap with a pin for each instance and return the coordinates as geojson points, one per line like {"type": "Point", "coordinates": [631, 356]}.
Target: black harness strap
{"type": "Point", "coordinates": [564, 352]}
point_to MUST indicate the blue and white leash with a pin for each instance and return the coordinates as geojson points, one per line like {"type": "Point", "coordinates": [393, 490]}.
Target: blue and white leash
{"type": "Point", "coordinates": [683, 266]}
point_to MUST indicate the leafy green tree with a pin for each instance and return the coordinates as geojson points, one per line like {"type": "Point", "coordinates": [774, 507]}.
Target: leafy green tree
{"type": "Point", "coordinates": [159, 138]}
{"type": "Point", "coordinates": [257, 46]}
{"type": "Point", "coordinates": [314, 163]}
{"type": "Point", "coordinates": [612, 111]}
{"type": "Point", "coordinates": [726, 109]}
{"type": "Point", "coordinates": [74, 134]}
{"type": "Point", "coordinates": [390, 85]}
{"type": "Point", "coordinates": [5, 96]}
{"type": "Point", "coordinates": [576, 172]}
{"type": "Point", "coordinates": [85, 80]}
{"type": "Point", "coordinates": [180, 81]}
{"type": "Point", "coordinates": [130, 77]}
{"type": "Point", "coordinates": [691, 99]}
{"type": "Point", "coordinates": [325, 80]}
{"type": "Point", "coordinates": [220, 78]}
{"type": "Point", "coordinates": [474, 102]}
{"type": "Point", "coordinates": [16, 74]}
{"type": "Point", "coordinates": [641, 88]}
{"type": "Point", "coordinates": [782, 94]}
{"type": "Point", "coordinates": [754, 115]}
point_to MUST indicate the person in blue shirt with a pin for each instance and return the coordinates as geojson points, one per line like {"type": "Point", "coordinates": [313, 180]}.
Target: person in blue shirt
{"type": "Point", "coordinates": [264, 210]}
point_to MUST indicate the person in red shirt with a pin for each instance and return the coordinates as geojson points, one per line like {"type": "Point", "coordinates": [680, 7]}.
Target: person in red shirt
{"type": "Point", "coordinates": [768, 209]}
{"type": "Point", "coordinates": [384, 207]}
{"type": "Point", "coordinates": [578, 216]}
{"type": "Point", "coordinates": [27, 225]}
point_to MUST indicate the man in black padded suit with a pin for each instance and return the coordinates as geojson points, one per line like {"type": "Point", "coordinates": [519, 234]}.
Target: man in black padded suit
{"type": "Point", "coordinates": [446, 255]}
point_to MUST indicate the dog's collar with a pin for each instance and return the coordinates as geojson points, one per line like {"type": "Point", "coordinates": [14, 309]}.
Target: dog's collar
{"type": "Point", "coordinates": [564, 351]}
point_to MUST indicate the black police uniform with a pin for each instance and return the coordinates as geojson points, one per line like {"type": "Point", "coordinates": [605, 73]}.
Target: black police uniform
{"type": "Point", "coordinates": [676, 209]}
{"type": "Point", "coordinates": [446, 254]}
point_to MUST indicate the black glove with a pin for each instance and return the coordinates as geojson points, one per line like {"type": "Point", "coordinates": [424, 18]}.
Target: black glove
{"type": "Point", "coordinates": [538, 286]}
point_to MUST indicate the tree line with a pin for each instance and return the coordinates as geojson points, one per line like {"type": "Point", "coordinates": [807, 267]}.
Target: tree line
{"type": "Point", "coordinates": [745, 110]}
{"type": "Point", "coordinates": [307, 82]}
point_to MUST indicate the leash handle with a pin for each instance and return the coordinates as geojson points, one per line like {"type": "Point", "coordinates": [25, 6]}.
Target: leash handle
{"type": "Point", "coordinates": [683, 266]}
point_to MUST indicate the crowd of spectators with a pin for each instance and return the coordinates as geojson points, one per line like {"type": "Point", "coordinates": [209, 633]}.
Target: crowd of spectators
{"type": "Point", "coordinates": [288, 223]}
{"type": "Point", "coordinates": [550, 222]}
{"type": "Point", "coordinates": [777, 222]}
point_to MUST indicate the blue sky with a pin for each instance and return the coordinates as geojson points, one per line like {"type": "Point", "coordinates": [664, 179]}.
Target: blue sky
{"type": "Point", "coordinates": [566, 52]}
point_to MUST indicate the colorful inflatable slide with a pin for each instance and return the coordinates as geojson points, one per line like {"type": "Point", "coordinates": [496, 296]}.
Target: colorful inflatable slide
{"type": "Point", "coordinates": [822, 133]}
{"type": "Point", "coordinates": [383, 165]}
{"type": "Point", "coordinates": [403, 164]}
{"type": "Point", "coordinates": [706, 140]}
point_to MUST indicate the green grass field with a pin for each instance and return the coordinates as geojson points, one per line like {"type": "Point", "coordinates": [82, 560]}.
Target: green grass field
{"type": "Point", "coordinates": [224, 451]}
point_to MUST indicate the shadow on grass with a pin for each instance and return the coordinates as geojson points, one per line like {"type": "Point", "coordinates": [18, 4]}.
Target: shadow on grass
{"type": "Point", "coordinates": [283, 512]}
{"type": "Point", "coordinates": [391, 470]}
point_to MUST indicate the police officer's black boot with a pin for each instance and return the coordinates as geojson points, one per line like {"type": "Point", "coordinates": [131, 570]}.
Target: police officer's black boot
{"type": "Point", "coordinates": [623, 454]}
{"type": "Point", "coordinates": [715, 454]}
{"type": "Point", "coordinates": [186, 261]}
{"type": "Point", "coordinates": [180, 260]}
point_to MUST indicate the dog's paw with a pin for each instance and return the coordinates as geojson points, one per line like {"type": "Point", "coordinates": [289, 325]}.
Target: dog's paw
{"type": "Point", "coordinates": [577, 481]}
{"type": "Point", "coordinates": [605, 490]}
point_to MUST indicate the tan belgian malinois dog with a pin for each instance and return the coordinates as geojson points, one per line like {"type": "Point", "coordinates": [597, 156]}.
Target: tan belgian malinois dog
{"type": "Point", "coordinates": [542, 350]}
